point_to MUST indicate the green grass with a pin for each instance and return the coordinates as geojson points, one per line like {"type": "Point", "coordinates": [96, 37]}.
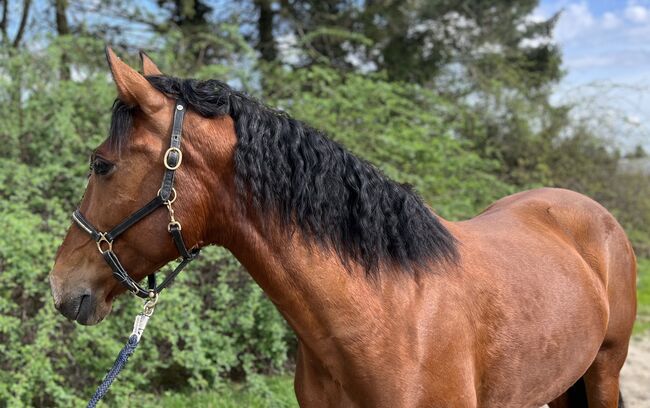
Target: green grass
{"type": "Point", "coordinates": [263, 392]}
{"type": "Point", "coordinates": [643, 296]}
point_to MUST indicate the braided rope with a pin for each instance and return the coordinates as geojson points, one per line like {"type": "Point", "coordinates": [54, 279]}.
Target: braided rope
{"type": "Point", "coordinates": [119, 364]}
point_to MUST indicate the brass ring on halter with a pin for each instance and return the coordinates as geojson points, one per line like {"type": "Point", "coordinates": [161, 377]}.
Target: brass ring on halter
{"type": "Point", "coordinates": [173, 196]}
{"type": "Point", "coordinates": [166, 158]}
{"type": "Point", "coordinates": [150, 303]}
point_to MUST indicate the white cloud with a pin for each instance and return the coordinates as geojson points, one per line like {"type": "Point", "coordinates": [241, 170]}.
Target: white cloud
{"type": "Point", "coordinates": [536, 17]}
{"type": "Point", "coordinates": [610, 21]}
{"type": "Point", "coordinates": [633, 120]}
{"type": "Point", "coordinates": [287, 47]}
{"type": "Point", "coordinates": [636, 13]}
{"type": "Point", "coordinates": [590, 61]}
{"type": "Point", "coordinates": [575, 20]}
{"type": "Point", "coordinates": [535, 42]}
{"type": "Point", "coordinates": [604, 50]}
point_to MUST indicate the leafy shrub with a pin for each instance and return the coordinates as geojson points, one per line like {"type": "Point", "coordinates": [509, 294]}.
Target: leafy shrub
{"type": "Point", "coordinates": [215, 323]}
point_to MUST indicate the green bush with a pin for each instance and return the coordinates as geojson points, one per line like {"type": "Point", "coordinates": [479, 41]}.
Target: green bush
{"type": "Point", "coordinates": [643, 295]}
{"type": "Point", "coordinates": [215, 324]}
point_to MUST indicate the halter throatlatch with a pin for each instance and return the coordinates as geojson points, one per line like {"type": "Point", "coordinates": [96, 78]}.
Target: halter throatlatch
{"type": "Point", "coordinates": [166, 197]}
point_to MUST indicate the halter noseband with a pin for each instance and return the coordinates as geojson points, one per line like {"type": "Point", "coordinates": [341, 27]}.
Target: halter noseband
{"type": "Point", "coordinates": [166, 196]}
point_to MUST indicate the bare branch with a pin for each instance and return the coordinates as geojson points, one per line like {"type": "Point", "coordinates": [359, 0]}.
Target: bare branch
{"type": "Point", "coordinates": [23, 23]}
{"type": "Point", "coordinates": [3, 22]}
{"type": "Point", "coordinates": [124, 14]}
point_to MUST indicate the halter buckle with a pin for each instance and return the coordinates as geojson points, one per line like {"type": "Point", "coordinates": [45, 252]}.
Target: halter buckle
{"type": "Point", "coordinates": [166, 158]}
{"type": "Point", "coordinates": [174, 223]}
{"type": "Point", "coordinates": [102, 238]}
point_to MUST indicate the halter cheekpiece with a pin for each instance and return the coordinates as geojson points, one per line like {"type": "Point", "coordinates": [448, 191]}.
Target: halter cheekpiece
{"type": "Point", "coordinates": [165, 197]}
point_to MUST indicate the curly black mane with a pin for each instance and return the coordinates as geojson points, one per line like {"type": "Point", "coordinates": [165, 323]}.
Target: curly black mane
{"type": "Point", "coordinates": [316, 185]}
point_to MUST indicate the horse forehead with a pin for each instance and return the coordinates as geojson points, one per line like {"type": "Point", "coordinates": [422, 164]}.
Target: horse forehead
{"type": "Point", "coordinates": [147, 142]}
{"type": "Point", "coordinates": [145, 139]}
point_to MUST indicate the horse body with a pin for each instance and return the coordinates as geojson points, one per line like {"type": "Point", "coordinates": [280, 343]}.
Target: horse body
{"type": "Point", "coordinates": [553, 303]}
{"type": "Point", "coordinates": [518, 304]}
{"type": "Point", "coordinates": [504, 327]}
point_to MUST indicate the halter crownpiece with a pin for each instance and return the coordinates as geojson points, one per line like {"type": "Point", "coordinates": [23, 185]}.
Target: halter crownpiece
{"type": "Point", "coordinates": [165, 197]}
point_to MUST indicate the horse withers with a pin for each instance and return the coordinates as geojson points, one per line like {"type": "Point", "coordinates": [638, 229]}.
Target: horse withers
{"type": "Point", "coordinates": [530, 302]}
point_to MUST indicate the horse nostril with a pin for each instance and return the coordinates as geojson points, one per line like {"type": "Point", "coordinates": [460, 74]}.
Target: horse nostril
{"type": "Point", "coordinates": [56, 292]}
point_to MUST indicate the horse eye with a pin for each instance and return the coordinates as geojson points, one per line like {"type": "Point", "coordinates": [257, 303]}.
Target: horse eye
{"type": "Point", "coordinates": [101, 167]}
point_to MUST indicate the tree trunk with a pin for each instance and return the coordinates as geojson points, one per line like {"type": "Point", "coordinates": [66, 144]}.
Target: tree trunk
{"type": "Point", "coordinates": [266, 44]}
{"type": "Point", "coordinates": [23, 23]}
{"type": "Point", "coordinates": [62, 29]}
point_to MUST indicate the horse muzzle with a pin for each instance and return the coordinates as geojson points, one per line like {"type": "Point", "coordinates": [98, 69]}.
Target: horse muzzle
{"type": "Point", "coordinates": [82, 306]}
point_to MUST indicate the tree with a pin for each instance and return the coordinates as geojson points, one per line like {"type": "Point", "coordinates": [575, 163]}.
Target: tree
{"type": "Point", "coordinates": [62, 29]}
{"type": "Point", "coordinates": [638, 153]}
{"type": "Point", "coordinates": [22, 24]}
{"type": "Point", "coordinates": [415, 40]}
{"type": "Point", "coordinates": [266, 43]}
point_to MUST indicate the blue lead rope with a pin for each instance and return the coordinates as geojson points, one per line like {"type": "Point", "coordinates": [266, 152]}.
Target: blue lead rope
{"type": "Point", "coordinates": [134, 339]}
{"type": "Point", "coordinates": [119, 364]}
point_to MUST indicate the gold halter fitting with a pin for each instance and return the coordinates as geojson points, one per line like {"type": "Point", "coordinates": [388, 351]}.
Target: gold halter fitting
{"type": "Point", "coordinates": [166, 158]}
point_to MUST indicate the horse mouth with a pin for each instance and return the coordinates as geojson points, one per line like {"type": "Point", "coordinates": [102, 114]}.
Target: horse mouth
{"type": "Point", "coordinates": [85, 310]}
{"type": "Point", "coordinates": [81, 309]}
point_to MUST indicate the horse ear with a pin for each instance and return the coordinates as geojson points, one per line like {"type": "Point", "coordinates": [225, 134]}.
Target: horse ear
{"type": "Point", "coordinates": [132, 87]}
{"type": "Point", "coordinates": [148, 66]}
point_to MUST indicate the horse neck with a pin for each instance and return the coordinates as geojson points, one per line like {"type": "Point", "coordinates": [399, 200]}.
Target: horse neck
{"type": "Point", "coordinates": [310, 286]}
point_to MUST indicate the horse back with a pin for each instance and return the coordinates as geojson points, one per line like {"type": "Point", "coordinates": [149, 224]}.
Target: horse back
{"type": "Point", "coordinates": [581, 223]}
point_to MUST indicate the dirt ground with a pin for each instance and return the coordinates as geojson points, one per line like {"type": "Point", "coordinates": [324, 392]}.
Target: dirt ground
{"type": "Point", "coordinates": [635, 378]}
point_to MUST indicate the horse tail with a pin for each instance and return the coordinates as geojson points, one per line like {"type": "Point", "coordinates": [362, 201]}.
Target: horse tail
{"type": "Point", "coordinates": [577, 395]}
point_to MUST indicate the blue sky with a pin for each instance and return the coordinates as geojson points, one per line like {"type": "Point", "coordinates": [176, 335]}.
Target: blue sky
{"type": "Point", "coordinates": [606, 55]}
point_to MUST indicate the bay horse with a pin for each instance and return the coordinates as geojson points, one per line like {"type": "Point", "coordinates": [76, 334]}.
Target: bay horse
{"type": "Point", "coordinates": [530, 302]}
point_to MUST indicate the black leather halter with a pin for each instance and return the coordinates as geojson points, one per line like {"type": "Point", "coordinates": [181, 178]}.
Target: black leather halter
{"type": "Point", "coordinates": [166, 197]}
